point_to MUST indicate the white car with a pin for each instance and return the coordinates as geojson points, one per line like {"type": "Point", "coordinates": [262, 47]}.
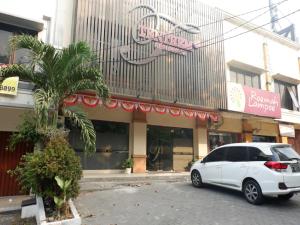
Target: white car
{"type": "Point", "coordinates": [256, 169]}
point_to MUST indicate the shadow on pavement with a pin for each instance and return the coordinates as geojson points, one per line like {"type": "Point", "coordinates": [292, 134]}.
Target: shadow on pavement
{"type": "Point", "coordinates": [270, 202]}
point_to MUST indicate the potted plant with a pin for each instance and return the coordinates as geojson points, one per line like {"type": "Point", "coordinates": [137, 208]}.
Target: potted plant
{"type": "Point", "coordinates": [53, 176]}
{"type": "Point", "coordinates": [190, 164]}
{"type": "Point", "coordinates": [128, 164]}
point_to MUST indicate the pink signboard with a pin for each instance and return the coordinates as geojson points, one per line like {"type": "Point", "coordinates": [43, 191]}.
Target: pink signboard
{"type": "Point", "coordinates": [253, 101]}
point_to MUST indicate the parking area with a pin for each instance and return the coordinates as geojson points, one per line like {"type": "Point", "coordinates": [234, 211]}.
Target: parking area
{"type": "Point", "coordinates": [174, 203]}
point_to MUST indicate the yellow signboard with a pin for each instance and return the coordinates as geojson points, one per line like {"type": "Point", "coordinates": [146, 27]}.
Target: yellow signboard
{"type": "Point", "coordinates": [9, 86]}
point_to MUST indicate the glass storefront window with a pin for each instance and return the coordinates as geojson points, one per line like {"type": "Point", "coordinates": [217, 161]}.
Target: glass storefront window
{"type": "Point", "coordinates": [4, 49]}
{"type": "Point", "coordinates": [112, 145]}
{"type": "Point", "coordinates": [217, 139]}
{"type": "Point", "coordinates": [258, 138]}
{"type": "Point", "coordinates": [20, 56]}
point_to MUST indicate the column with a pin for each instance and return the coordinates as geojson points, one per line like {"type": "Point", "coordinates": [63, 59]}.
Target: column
{"type": "Point", "coordinates": [247, 131]}
{"type": "Point", "coordinates": [284, 140]}
{"type": "Point", "coordinates": [139, 142]}
{"type": "Point", "coordinates": [200, 140]}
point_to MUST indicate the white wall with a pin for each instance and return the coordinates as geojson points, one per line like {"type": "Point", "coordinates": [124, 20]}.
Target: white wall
{"type": "Point", "coordinates": [283, 60]}
{"type": "Point", "coordinates": [59, 11]}
{"type": "Point", "coordinates": [248, 49]}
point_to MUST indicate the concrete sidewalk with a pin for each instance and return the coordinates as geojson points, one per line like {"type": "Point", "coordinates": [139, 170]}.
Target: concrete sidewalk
{"type": "Point", "coordinates": [11, 203]}
{"type": "Point", "coordinates": [88, 177]}
{"type": "Point", "coordinates": [100, 182]}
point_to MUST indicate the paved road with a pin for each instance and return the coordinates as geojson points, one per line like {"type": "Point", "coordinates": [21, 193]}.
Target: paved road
{"type": "Point", "coordinates": [167, 203]}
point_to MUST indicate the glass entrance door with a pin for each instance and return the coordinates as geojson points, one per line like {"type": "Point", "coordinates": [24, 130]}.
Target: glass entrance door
{"type": "Point", "coordinates": [169, 148]}
{"type": "Point", "coordinates": [159, 149]}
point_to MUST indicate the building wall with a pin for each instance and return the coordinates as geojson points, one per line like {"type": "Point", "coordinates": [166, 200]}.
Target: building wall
{"type": "Point", "coordinates": [137, 67]}
{"type": "Point", "coordinates": [10, 118]}
{"type": "Point", "coordinates": [272, 57]}
{"type": "Point", "coordinates": [59, 12]}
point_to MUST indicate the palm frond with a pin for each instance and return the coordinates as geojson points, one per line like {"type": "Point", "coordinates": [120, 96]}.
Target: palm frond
{"type": "Point", "coordinates": [87, 78]}
{"type": "Point", "coordinates": [28, 42]}
{"type": "Point", "coordinates": [44, 102]}
{"type": "Point", "coordinates": [39, 50]}
{"type": "Point", "coordinates": [87, 129]}
{"type": "Point", "coordinates": [21, 71]}
{"type": "Point", "coordinates": [74, 56]}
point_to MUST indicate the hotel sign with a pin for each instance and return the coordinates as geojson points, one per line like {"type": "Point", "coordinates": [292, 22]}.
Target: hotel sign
{"type": "Point", "coordinates": [253, 101]}
{"type": "Point", "coordinates": [170, 41]}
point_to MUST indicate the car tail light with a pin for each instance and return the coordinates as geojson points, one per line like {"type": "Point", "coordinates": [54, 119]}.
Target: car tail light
{"type": "Point", "coordinates": [277, 166]}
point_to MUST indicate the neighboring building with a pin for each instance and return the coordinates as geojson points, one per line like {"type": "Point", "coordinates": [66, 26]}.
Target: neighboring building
{"type": "Point", "coordinates": [269, 64]}
{"type": "Point", "coordinates": [37, 18]}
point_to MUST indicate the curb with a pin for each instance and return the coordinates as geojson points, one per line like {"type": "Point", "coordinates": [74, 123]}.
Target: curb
{"type": "Point", "coordinates": [129, 178]}
{"type": "Point", "coordinates": [8, 210]}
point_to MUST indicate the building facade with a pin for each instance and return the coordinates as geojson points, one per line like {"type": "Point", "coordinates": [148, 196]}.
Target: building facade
{"type": "Point", "coordinates": [166, 88]}
{"type": "Point", "coordinates": [179, 85]}
{"type": "Point", "coordinates": [269, 64]}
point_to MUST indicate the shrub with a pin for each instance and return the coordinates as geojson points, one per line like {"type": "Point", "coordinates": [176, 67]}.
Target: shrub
{"type": "Point", "coordinates": [190, 164]}
{"type": "Point", "coordinates": [128, 163]}
{"type": "Point", "coordinates": [37, 171]}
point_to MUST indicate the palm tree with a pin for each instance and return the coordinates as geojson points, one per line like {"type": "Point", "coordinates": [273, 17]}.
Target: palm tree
{"type": "Point", "coordinates": [58, 74]}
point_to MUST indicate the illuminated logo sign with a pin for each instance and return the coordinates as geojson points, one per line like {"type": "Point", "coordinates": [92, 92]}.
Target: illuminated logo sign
{"type": "Point", "coordinates": [170, 41]}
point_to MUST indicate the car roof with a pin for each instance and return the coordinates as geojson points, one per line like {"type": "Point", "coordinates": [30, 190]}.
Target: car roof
{"type": "Point", "coordinates": [264, 146]}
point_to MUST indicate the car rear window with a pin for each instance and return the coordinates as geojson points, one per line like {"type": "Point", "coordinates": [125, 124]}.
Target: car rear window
{"type": "Point", "coordinates": [284, 153]}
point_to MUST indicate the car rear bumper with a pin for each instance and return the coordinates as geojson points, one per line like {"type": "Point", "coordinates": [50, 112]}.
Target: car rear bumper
{"type": "Point", "coordinates": [283, 192]}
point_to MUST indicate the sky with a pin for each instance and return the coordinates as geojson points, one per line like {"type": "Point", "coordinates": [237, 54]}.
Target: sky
{"type": "Point", "coordinates": [240, 6]}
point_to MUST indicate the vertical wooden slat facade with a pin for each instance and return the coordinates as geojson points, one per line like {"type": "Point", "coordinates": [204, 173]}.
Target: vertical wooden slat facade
{"type": "Point", "coordinates": [8, 161]}
{"type": "Point", "coordinates": [197, 79]}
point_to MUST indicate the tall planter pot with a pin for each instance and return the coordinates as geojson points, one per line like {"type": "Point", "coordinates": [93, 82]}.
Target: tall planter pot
{"type": "Point", "coordinates": [42, 220]}
{"type": "Point", "coordinates": [128, 170]}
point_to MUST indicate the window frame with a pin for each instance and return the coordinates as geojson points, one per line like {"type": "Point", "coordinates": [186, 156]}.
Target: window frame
{"type": "Point", "coordinates": [284, 90]}
{"type": "Point", "coordinates": [236, 73]}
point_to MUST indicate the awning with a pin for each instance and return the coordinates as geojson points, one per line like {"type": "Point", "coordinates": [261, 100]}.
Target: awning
{"type": "Point", "coordinates": [130, 106]}
{"type": "Point", "coordinates": [21, 22]}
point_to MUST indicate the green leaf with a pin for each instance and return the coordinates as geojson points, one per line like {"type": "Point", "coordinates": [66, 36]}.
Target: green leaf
{"type": "Point", "coordinates": [87, 129]}
{"type": "Point", "coordinates": [67, 184]}
{"type": "Point", "coordinates": [60, 182]}
{"type": "Point", "coordinates": [58, 201]}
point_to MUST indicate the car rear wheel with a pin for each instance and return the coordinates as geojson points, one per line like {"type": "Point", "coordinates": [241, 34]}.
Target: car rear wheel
{"type": "Point", "coordinates": [286, 197]}
{"type": "Point", "coordinates": [196, 179]}
{"type": "Point", "coordinates": [253, 193]}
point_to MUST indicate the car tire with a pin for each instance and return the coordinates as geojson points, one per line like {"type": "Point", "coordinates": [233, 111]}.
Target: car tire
{"type": "Point", "coordinates": [286, 197]}
{"type": "Point", "coordinates": [253, 193]}
{"type": "Point", "coordinates": [196, 179]}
